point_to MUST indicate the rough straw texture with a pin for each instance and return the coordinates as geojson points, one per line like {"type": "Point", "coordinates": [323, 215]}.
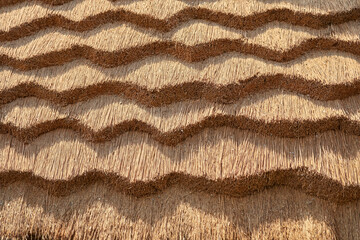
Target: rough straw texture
{"type": "Point", "coordinates": [180, 119]}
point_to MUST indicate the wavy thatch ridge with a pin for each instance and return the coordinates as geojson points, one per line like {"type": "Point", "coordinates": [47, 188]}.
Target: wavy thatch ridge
{"type": "Point", "coordinates": [197, 53]}
{"type": "Point", "coordinates": [224, 94]}
{"type": "Point", "coordinates": [279, 128]}
{"type": "Point", "coordinates": [250, 22]}
{"type": "Point", "coordinates": [43, 217]}
{"type": "Point", "coordinates": [300, 179]}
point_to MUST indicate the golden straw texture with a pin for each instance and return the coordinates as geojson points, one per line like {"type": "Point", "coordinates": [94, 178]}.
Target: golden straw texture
{"type": "Point", "coordinates": [179, 119]}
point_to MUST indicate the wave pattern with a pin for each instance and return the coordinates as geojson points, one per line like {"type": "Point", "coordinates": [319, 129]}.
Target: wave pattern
{"type": "Point", "coordinates": [347, 4]}
{"type": "Point", "coordinates": [191, 13]}
{"type": "Point", "coordinates": [216, 138]}
{"type": "Point", "coordinates": [279, 128]}
{"type": "Point", "coordinates": [112, 110]}
{"type": "Point", "coordinates": [301, 179]}
{"type": "Point", "coordinates": [113, 37]}
{"type": "Point", "coordinates": [187, 91]}
{"type": "Point", "coordinates": [180, 51]}
{"type": "Point", "coordinates": [214, 153]}
{"type": "Point", "coordinates": [110, 37]}
{"type": "Point", "coordinates": [245, 218]}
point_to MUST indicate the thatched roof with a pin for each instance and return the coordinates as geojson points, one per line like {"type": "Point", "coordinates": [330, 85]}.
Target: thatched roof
{"type": "Point", "coordinates": [178, 119]}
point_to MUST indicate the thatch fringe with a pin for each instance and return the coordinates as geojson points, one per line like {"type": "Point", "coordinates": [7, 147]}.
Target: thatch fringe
{"type": "Point", "coordinates": [97, 213]}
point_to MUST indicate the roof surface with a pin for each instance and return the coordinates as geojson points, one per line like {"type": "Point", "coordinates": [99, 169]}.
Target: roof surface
{"type": "Point", "coordinates": [180, 119]}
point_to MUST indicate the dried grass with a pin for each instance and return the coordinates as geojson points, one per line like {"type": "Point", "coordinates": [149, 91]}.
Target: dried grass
{"type": "Point", "coordinates": [103, 111]}
{"type": "Point", "coordinates": [160, 71]}
{"type": "Point", "coordinates": [113, 37]}
{"type": "Point", "coordinates": [215, 154]}
{"type": "Point", "coordinates": [79, 9]}
{"type": "Point", "coordinates": [299, 86]}
{"type": "Point", "coordinates": [278, 213]}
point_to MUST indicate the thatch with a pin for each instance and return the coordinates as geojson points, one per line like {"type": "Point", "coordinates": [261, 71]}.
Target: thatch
{"type": "Point", "coordinates": [178, 119]}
